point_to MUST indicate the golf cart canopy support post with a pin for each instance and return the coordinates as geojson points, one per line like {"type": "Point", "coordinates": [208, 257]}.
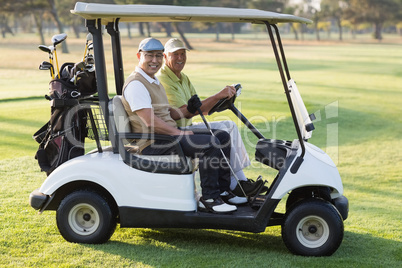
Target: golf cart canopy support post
{"type": "Point", "coordinates": [113, 31]}
{"type": "Point", "coordinates": [282, 64]}
{"type": "Point", "coordinates": [95, 28]}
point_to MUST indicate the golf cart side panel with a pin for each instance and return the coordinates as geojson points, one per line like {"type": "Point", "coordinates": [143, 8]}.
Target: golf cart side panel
{"type": "Point", "coordinates": [129, 187]}
{"type": "Point", "coordinates": [316, 169]}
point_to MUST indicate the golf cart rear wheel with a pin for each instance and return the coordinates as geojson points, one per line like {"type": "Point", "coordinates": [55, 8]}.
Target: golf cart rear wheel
{"type": "Point", "coordinates": [312, 227]}
{"type": "Point", "coordinates": [85, 217]}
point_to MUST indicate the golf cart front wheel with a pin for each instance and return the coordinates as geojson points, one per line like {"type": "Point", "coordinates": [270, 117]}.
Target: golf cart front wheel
{"type": "Point", "coordinates": [313, 227]}
{"type": "Point", "coordinates": [85, 217]}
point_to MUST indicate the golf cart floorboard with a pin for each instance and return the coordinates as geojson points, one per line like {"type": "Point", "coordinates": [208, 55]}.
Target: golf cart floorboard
{"type": "Point", "coordinates": [245, 218]}
{"type": "Point", "coordinates": [242, 211]}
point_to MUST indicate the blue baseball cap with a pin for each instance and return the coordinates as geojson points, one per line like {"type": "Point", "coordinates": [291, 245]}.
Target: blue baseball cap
{"type": "Point", "coordinates": [150, 44]}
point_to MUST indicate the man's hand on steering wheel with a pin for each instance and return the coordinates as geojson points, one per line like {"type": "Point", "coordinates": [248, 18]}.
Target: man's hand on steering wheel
{"type": "Point", "coordinates": [226, 93]}
{"type": "Point", "coordinates": [227, 97]}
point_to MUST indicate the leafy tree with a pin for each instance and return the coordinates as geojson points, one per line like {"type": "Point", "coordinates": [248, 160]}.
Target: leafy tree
{"type": "Point", "coordinates": [334, 9]}
{"type": "Point", "coordinates": [141, 24]}
{"type": "Point", "coordinates": [312, 12]}
{"type": "Point", "coordinates": [227, 27]}
{"type": "Point", "coordinates": [66, 18]}
{"type": "Point", "coordinates": [167, 26]}
{"type": "Point", "coordinates": [316, 16]}
{"type": "Point", "coordinates": [292, 10]}
{"type": "Point", "coordinates": [76, 22]}
{"type": "Point", "coordinates": [7, 8]}
{"type": "Point", "coordinates": [36, 8]}
{"type": "Point", "coordinates": [373, 11]}
{"type": "Point", "coordinates": [53, 11]}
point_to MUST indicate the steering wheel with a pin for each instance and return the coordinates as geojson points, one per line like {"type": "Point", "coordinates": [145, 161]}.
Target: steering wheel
{"type": "Point", "coordinates": [224, 104]}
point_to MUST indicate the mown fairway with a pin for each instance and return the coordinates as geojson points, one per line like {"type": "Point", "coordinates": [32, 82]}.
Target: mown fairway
{"type": "Point", "coordinates": [354, 88]}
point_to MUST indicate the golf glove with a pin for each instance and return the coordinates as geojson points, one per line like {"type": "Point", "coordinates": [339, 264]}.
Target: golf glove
{"type": "Point", "coordinates": [193, 104]}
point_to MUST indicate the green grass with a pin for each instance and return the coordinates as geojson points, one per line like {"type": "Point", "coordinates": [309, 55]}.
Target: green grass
{"type": "Point", "coordinates": [363, 81]}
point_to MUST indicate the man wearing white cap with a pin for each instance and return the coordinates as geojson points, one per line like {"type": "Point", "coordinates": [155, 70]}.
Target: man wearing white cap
{"type": "Point", "coordinates": [179, 90]}
{"type": "Point", "coordinates": [146, 104]}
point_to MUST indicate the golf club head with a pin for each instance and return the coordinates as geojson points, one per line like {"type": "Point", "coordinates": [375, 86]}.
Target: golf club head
{"type": "Point", "coordinates": [58, 38]}
{"type": "Point", "coordinates": [79, 66]}
{"type": "Point", "coordinates": [89, 59]}
{"type": "Point", "coordinates": [45, 65]}
{"type": "Point", "coordinates": [90, 46]}
{"type": "Point", "coordinates": [45, 48]}
{"type": "Point", "coordinates": [90, 68]}
{"type": "Point", "coordinates": [89, 37]}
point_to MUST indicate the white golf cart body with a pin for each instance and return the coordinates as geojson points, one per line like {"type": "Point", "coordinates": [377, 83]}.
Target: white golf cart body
{"type": "Point", "coordinates": [162, 194]}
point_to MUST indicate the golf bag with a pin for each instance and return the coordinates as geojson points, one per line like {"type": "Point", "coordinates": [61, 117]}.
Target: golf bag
{"type": "Point", "coordinates": [62, 138]}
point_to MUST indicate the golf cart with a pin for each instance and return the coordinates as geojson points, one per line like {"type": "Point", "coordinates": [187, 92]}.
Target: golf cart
{"type": "Point", "coordinates": [93, 192]}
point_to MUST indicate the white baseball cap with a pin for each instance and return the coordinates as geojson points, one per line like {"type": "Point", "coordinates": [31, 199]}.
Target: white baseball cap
{"type": "Point", "coordinates": [174, 44]}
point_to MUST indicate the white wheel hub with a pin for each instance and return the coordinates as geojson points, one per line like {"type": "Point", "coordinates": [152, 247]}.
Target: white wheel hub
{"type": "Point", "coordinates": [83, 219]}
{"type": "Point", "coordinates": [312, 231]}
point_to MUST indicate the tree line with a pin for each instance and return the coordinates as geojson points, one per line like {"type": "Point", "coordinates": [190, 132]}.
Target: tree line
{"type": "Point", "coordinates": [325, 14]}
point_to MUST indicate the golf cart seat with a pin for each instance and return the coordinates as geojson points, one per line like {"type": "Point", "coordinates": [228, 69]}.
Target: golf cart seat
{"type": "Point", "coordinates": [172, 164]}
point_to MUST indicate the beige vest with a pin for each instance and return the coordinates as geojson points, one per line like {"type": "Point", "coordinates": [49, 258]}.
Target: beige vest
{"type": "Point", "coordinates": [160, 106]}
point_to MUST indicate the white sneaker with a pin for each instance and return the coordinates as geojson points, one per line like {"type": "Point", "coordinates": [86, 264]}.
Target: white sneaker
{"type": "Point", "coordinates": [230, 198]}
{"type": "Point", "coordinates": [215, 206]}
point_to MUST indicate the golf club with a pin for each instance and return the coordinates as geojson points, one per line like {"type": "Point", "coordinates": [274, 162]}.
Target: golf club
{"type": "Point", "coordinates": [89, 58]}
{"type": "Point", "coordinates": [78, 67]}
{"type": "Point", "coordinates": [49, 50]}
{"type": "Point", "coordinates": [89, 38]}
{"type": "Point", "coordinates": [57, 39]}
{"type": "Point", "coordinates": [45, 65]}
{"type": "Point", "coordinates": [89, 61]}
{"type": "Point", "coordinates": [224, 156]}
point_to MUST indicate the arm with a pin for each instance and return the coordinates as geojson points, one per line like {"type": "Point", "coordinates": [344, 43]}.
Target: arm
{"type": "Point", "coordinates": [178, 113]}
{"type": "Point", "coordinates": [159, 126]}
{"type": "Point", "coordinates": [207, 104]}
{"type": "Point", "coordinates": [177, 97]}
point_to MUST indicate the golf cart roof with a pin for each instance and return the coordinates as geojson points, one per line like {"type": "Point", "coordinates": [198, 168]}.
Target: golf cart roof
{"type": "Point", "coordinates": [163, 13]}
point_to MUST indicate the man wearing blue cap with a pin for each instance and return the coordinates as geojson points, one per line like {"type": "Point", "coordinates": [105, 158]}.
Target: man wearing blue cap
{"type": "Point", "coordinates": [147, 106]}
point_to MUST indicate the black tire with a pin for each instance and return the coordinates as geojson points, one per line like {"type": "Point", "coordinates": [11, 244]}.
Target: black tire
{"type": "Point", "coordinates": [85, 217]}
{"type": "Point", "coordinates": [313, 227]}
